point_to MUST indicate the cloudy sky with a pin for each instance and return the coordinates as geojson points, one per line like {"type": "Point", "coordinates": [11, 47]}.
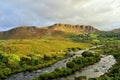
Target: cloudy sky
{"type": "Point", "coordinates": [103, 14]}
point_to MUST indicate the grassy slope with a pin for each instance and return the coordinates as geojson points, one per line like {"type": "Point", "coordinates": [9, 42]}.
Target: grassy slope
{"type": "Point", "coordinates": [38, 46]}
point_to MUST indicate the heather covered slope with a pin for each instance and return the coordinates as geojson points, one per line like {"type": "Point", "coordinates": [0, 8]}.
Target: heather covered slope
{"type": "Point", "coordinates": [39, 46]}
{"type": "Point", "coordinates": [56, 30]}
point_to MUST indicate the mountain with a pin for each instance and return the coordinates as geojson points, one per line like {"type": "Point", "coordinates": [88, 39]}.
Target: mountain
{"type": "Point", "coordinates": [25, 32]}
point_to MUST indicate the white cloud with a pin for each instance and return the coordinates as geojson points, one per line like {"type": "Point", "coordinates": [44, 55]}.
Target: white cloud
{"type": "Point", "coordinates": [103, 14]}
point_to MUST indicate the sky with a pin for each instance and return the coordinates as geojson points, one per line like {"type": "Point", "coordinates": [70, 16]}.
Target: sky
{"type": "Point", "coordinates": [102, 14]}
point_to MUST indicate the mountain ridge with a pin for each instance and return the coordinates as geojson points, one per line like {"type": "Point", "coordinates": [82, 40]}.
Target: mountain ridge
{"type": "Point", "coordinates": [24, 32]}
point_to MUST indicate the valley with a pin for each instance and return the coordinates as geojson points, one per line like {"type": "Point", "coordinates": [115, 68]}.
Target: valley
{"type": "Point", "coordinates": [59, 39]}
{"type": "Point", "coordinates": [58, 51]}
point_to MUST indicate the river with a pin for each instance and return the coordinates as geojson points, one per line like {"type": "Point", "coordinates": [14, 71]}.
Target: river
{"type": "Point", "coordinates": [95, 70]}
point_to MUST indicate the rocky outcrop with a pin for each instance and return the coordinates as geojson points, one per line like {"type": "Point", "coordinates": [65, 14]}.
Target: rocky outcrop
{"type": "Point", "coordinates": [74, 28]}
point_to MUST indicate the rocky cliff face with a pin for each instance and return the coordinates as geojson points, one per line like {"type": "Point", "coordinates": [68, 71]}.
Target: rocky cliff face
{"type": "Point", "coordinates": [26, 32]}
{"type": "Point", "coordinates": [74, 28]}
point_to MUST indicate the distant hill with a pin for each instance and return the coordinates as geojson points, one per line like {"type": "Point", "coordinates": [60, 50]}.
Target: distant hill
{"type": "Point", "coordinates": [116, 30]}
{"type": "Point", "coordinates": [26, 32]}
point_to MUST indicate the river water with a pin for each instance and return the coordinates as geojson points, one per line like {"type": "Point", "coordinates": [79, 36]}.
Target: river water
{"type": "Point", "coordinates": [91, 71]}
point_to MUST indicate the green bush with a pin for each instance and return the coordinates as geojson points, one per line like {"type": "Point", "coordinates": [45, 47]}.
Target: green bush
{"type": "Point", "coordinates": [87, 54]}
{"type": "Point", "coordinates": [80, 78]}
{"type": "Point", "coordinates": [70, 64]}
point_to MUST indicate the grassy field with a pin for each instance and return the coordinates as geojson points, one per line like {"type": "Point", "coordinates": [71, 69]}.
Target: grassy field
{"type": "Point", "coordinates": [38, 46]}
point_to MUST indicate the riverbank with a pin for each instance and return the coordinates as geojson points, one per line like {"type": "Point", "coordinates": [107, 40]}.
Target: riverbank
{"type": "Point", "coordinates": [30, 75]}
{"type": "Point", "coordinates": [95, 70]}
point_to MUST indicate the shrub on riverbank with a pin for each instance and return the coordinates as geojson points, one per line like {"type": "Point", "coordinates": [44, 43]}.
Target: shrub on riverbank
{"type": "Point", "coordinates": [10, 65]}
{"type": "Point", "coordinates": [80, 78]}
